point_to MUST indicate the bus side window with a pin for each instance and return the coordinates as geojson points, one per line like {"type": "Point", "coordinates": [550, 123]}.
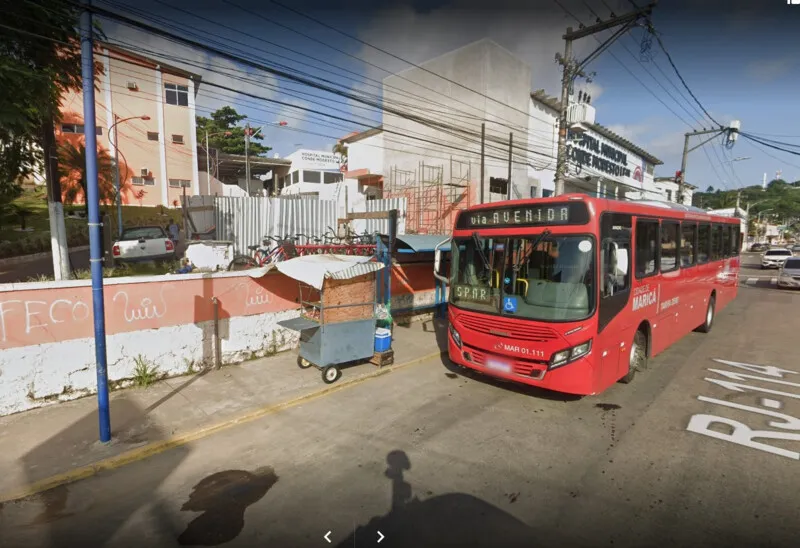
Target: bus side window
{"type": "Point", "coordinates": [616, 257]}
{"type": "Point", "coordinates": [646, 247]}
{"type": "Point", "coordinates": [703, 243]}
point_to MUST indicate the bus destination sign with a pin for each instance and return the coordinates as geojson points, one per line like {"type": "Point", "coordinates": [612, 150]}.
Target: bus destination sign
{"type": "Point", "coordinates": [572, 213]}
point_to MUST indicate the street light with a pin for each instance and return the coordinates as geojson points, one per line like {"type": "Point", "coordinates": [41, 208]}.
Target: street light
{"type": "Point", "coordinates": [208, 164]}
{"type": "Point", "coordinates": [117, 189]}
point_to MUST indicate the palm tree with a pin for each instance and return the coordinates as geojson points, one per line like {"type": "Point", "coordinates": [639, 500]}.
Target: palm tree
{"type": "Point", "coordinates": [341, 150]}
{"type": "Point", "coordinates": [72, 167]}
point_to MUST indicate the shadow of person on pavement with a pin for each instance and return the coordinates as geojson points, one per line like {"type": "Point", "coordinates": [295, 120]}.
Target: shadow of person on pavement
{"type": "Point", "coordinates": [453, 519]}
{"type": "Point", "coordinates": [223, 498]}
{"type": "Point", "coordinates": [90, 511]}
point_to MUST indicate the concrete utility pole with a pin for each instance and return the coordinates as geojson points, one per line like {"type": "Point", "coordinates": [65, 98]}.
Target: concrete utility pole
{"type": "Point", "coordinates": [572, 70]}
{"type": "Point", "coordinates": [247, 155]}
{"type": "Point", "coordinates": [483, 165]}
{"type": "Point", "coordinates": [510, 147]}
{"type": "Point", "coordinates": [686, 150]}
{"type": "Point", "coordinates": [58, 232]}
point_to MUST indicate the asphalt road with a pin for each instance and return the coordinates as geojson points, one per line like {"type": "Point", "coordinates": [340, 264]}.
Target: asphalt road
{"type": "Point", "coordinates": [752, 275]}
{"type": "Point", "coordinates": [427, 456]}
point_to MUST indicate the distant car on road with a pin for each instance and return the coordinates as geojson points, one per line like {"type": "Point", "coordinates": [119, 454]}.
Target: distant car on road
{"type": "Point", "coordinates": [142, 244]}
{"type": "Point", "coordinates": [774, 258]}
{"type": "Point", "coordinates": [789, 275]}
{"type": "Point", "coordinates": [795, 248]}
{"type": "Point", "coordinates": [759, 247]}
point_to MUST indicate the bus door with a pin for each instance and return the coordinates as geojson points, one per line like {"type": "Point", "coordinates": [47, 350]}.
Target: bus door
{"type": "Point", "coordinates": [671, 292]}
{"type": "Point", "coordinates": [614, 328]}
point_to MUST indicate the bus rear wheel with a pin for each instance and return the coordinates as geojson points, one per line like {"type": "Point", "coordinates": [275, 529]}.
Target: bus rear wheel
{"type": "Point", "coordinates": [710, 312]}
{"type": "Point", "coordinates": [638, 357]}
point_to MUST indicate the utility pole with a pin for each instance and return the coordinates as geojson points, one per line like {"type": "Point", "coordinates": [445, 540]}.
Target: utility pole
{"type": "Point", "coordinates": [686, 150]}
{"type": "Point", "coordinates": [247, 155]}
{"type": "Point", "coordinates": [510, 146]}
{"type": "Point", "coordinates": [58, 232]}
{"type": "Point", "coordinates": [572, 70]}
{"type": "Point", "coordinates": [117, 188]}
{"type": "Point", "coordinates": [483, 164]}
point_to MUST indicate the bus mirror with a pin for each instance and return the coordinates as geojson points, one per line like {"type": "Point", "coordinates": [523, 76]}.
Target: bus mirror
{"type": "Point", "coordinates": [437, 262]}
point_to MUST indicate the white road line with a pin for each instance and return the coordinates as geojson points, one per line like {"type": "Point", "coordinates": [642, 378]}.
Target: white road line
{"type": "Point", "coordinates": [773, 281]}
{"type": "Point", "coordinates": [751, 281]}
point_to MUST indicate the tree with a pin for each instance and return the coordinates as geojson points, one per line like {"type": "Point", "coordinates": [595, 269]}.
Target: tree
{"type": "Point", "coordinates": [35, 63]}
{"type": "Point", "coordinates": [72, 164]}
{"type": "Point", "coordinates": [341, 150]}
{"type": "Point", "coordinates": [223, 120]}
{"type": "Point", "coordinates": [710, 189]}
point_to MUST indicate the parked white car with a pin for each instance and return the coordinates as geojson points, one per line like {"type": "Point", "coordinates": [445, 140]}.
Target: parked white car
{"type": "Point", "coordinates": [775, 257]}
{"type": "Point", "coordinates": [789, 275]}
{"type": "Point", "coordinates": [143, 243]}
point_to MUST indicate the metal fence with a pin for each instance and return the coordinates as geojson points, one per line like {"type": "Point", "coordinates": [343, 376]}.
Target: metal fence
{"type": "Point", "coordinates": [245, 221]}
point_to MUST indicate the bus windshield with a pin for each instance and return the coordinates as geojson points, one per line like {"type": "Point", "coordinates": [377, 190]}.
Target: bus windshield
{"type": "Point", "coordinates": [508, 276]}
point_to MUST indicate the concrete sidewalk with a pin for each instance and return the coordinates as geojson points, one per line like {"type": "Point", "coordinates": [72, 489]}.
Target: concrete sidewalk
{"type": "Point", "coordinates": [58, 444]}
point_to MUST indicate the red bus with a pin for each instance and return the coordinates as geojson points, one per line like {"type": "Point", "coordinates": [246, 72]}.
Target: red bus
{"type": "Point", "coordinates": [574, 293]}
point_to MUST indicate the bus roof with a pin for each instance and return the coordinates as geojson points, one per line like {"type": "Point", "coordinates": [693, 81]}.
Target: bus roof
{"type": "Point", "coordinates": [641, 207]}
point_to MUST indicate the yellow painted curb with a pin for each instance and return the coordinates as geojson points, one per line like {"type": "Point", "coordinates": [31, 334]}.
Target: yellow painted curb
{"type": "Point", "coordinates": [152, 449]}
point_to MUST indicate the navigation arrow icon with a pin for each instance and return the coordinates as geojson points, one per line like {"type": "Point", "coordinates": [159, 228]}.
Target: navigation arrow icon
{"type": "Point", "coordinates": [328, 534]}
{"type": "Point", "coordinates": [380, 537]}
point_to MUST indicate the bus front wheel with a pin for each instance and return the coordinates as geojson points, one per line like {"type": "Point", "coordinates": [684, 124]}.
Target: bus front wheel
{"type": "Point", "coordinates": [708, 323]}
{"type": "Point", "coordinates": [638, 357]}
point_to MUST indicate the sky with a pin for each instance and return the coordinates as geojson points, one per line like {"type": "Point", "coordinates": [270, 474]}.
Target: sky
{"type": "Point", "coordinates": [736, 56]}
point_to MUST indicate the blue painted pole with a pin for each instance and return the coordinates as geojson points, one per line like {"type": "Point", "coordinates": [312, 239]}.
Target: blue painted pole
{"type": "Point", "coordinates": [95, 242]}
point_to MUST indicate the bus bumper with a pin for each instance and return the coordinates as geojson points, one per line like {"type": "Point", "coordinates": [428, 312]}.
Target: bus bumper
{"type": "Point", "coordinates": [575, 378]}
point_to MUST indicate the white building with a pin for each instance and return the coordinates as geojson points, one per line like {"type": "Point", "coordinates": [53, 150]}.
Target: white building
{"type": "Point", "coordinates": [669, 188]}
{"type": "Point", "coordinates": [600, 162]}
{"type": "Point", "coordinates": [310, 172]}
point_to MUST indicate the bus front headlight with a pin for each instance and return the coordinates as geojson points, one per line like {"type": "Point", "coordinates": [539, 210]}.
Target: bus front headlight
{"type": "Point", "coordinates": [455, 335]}
{"type": "Point", "coordinates": [569, 355]}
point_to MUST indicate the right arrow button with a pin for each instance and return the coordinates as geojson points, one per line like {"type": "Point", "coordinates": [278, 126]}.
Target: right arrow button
{"type": "Point", "coordinates": [380, 537]}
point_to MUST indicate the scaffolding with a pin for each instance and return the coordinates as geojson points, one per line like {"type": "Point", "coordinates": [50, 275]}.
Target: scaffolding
{"type": "Point", "coordinates": [432, 201]}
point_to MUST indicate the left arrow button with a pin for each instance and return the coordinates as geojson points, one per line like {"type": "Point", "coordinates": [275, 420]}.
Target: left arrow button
{"type": "Point", "coordinates": [327, 536]}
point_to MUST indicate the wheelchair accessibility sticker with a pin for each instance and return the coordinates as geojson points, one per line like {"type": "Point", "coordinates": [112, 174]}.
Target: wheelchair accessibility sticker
{"type": "Point", "coordinates": [510, 304]}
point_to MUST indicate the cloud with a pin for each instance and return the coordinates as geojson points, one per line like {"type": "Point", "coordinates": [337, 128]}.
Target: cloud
{"type": "Point", "coordinates": [768, 71]}
{"type": "Point", "coordinates": [211, 68]}
{"type": "Point", "coordinates": [633, 132]}
{"type": "Point", "coordinates": [533, 33]}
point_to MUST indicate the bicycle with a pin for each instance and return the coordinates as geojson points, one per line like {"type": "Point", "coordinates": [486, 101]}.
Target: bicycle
{"type": "Point", "coordinates": [262, 256]}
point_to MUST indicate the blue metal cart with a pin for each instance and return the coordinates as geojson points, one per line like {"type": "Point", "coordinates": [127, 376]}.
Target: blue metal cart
{"type": "Point", "coordinates": [332, 330]}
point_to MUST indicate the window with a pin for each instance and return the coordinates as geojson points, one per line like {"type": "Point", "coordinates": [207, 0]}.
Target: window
{"type": "Point", "coordinates": [312, 176]}
{"type": "Point", "coordinates": [716, 242]}
{"type": "Point", "coordinates": [734, 239]}
{"type": "Point", "coordinates": [177, 139]}
{"type": "Point", "coordinates": [703, 243]}
{"type": "Point", "coordinates": [669, 246]}
{"type": "Point", "coordinates": [533, 192]}
{"type": "Point", "coordinates": [138, 181]}
{"type": "Point", "coordinates": [546, 193]}
{"type": "Point", "coordinates": [688, 244]}
{"type": "Point", "coordinates": [79, 128]}
{"type": "Point", "coordinates": [152, 136]}
{"type": "Point", "coordinates": [646, 249]}
{"type": "Point", "coordinates": [725, 234]}
{"type": "Point", "coordinates": [295, 177]}
{"type": "Point", "coordinates": [669, 195]}
{"type": "Point", "coordinates": [180, 183]}
{"type": "Point", "coordinates": [649, 168]}
{"type": "Point", "coordinates": [177, 95]}
{"type": "Point", "coordinates": [329, 178]}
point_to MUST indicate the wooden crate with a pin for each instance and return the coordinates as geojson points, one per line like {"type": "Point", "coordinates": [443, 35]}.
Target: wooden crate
{"type": "Point", "coordinates": [352, 292]}
{"type": "Point", "coordinates": [382, 359]}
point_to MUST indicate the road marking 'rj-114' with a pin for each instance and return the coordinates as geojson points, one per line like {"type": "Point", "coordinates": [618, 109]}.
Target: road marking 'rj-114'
{"type": "Point", "coordinates": [740, 433]}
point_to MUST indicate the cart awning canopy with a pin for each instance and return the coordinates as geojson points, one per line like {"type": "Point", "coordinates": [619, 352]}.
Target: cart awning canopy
{"type": "Point", "coordinates": [419, 243]}
{"type": "Point", "coordinates": [313, 269]}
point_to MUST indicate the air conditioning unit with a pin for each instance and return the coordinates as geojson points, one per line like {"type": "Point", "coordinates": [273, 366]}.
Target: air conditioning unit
{"type": "Point", "coordinates": [145, 172]}
{"type": "Point", "coordinates": [133, 85]}
{"type": "Point", "coordinates": [580, 115]}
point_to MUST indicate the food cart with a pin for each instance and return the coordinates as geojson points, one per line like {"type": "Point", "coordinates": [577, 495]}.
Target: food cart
{"type": "Point", "coordinates": [337, 323]}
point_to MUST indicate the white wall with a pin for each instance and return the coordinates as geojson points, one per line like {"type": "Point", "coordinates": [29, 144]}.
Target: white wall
{"type": "Point", "coordinates": [367, 154]}
{"type": "Point", "coordinates": [543, 130]}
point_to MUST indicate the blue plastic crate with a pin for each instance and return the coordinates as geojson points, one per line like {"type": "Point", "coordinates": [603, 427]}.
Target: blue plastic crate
{"type": "Point", "coordinates": [383, 339]}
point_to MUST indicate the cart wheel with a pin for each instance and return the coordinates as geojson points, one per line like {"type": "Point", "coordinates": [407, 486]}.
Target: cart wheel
{"type": "Point", "coordinates": [303, 363]}
{"type": "Point", "coordinates": [331, 374]}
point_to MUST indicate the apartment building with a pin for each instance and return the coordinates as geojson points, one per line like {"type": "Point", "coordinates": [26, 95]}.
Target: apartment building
{"type": "Point", "coordinates": [146, 112]}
